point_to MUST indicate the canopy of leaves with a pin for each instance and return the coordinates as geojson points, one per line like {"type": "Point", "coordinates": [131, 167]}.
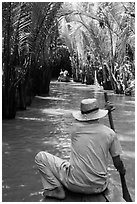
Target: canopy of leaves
{"type": "Point", "coordinates": [32, 27]}
{"type": "Point", "coordinates": [104, 29]}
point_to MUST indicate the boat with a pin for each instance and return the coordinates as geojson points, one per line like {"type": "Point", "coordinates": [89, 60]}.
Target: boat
{"type": "Point", "coordinates": [64, 79]}
{"type": "Point", "coordinates": [111, 194]}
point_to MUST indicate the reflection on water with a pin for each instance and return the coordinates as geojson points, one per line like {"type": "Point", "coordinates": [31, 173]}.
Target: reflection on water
{"type": "Point", "coordinates": [46, 126]}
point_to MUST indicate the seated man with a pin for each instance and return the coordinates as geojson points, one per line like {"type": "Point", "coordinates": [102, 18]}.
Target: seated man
{"type": "Point", "coordinates": [91, 142]}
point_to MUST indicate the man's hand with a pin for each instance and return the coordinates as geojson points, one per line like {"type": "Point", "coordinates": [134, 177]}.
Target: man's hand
{"type": "Point", "coordinates": [119, 165]}
{"type": "Point", "coordinates": [109, 106]}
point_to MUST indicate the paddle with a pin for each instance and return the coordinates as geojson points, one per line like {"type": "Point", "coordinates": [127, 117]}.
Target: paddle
{"type": "Point", "coordinates": [125, 191]}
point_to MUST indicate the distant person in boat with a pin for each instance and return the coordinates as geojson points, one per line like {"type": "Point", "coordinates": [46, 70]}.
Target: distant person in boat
{"type": "Point", "coordinates": [91, 142]}
{"type": "Point", "coordinates": [65, 73]}
{"type": "Point", "coordinates": [61, 72]}
{"type": "Point", "coordinates": [64, 76]}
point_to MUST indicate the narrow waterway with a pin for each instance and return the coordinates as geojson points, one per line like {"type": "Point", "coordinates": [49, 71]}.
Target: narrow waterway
{"type": "Point", "coordinates": [45, 126]}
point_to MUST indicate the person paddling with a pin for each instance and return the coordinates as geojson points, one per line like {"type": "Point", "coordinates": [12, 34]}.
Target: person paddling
{"type": "Point", "coordinates": [91, 142]}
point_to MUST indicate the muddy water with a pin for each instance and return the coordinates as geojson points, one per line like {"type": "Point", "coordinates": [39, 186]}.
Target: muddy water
{"type": "Point", "coordinates": [45, 126]}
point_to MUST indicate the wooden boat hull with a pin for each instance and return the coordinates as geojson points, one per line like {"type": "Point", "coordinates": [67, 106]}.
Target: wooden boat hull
{"type": "Point", "coordinates": [111, 194]}
{"type": "Point", "coordinates": [64, 79]}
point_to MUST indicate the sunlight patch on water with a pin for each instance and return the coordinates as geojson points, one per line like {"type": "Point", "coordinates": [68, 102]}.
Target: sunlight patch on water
{"type": "Point", "coordinates": [5, 148]}
{"type": "Point", "coordinates": [126, 138]}
{"type": "Point", "coordinates": [6, 186]}
{"type": "Point", "coordinates": [35, 193]}
{"type": "Point", "coordinates": [6, 152]}
{"type": "Point", "coordinates": [35, 119]}
{"type": "Point", "coordinates": [22, 185]}
{"type": "Point", "coordinates": [57, 111]}
{"type": "Point", "coordinates": [87, 87]}
{"type": "Point", "coordinates": [28, 150]}
{"type": "Point", "coordinates": [54, 143]}
{"type": "Point", "coordinates": [126, 120]}
{"type": "Point", "coordinates": [128, 154]}
{"type": "Point", "coordinates": [129, 112]}
{"type": "Point", "coordinates": [5, 145]}
{"type": "Point", "coordinates": [51, 98]}
{"type": "Point", "coordinates": [123, 104]}
{"type": "Point", "coordinates": [130, 102]}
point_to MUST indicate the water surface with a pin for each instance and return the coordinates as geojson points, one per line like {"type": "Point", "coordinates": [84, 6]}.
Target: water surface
{"type": "Point", "coordinates": [45, 126]}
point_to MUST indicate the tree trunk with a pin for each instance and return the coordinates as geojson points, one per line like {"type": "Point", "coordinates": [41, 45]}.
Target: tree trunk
{"type": "Point", "coordinates": [45, 83]}
{"type": "Point", "coordinates": [104, 73]}
{"type": "Point", "coordinates": [22, 96]}
{"type": "Point", "coordinates": [9, 103]}
{"type": "Point", "coordinates": [8, 89]}
{"type": "Point", "coordinates": [112, 58]}
{"type": "Point", "coordinates": [29, 94]}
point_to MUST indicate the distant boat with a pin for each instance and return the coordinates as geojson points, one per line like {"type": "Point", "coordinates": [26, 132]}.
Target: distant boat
{"type": "Point", "coordinates": [64, 79]}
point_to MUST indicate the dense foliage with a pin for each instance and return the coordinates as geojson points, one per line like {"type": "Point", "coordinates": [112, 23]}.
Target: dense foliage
{"type": "Point", "coordinates": [105, 31]}
{"type": "Point", "coordinates": [29, 40]}
{"type": "Point", "coordinates": [90, 40]}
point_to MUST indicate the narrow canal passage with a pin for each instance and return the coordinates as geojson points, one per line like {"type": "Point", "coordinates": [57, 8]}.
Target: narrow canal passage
{"type": "Point", "coordinates": [45, 126]}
